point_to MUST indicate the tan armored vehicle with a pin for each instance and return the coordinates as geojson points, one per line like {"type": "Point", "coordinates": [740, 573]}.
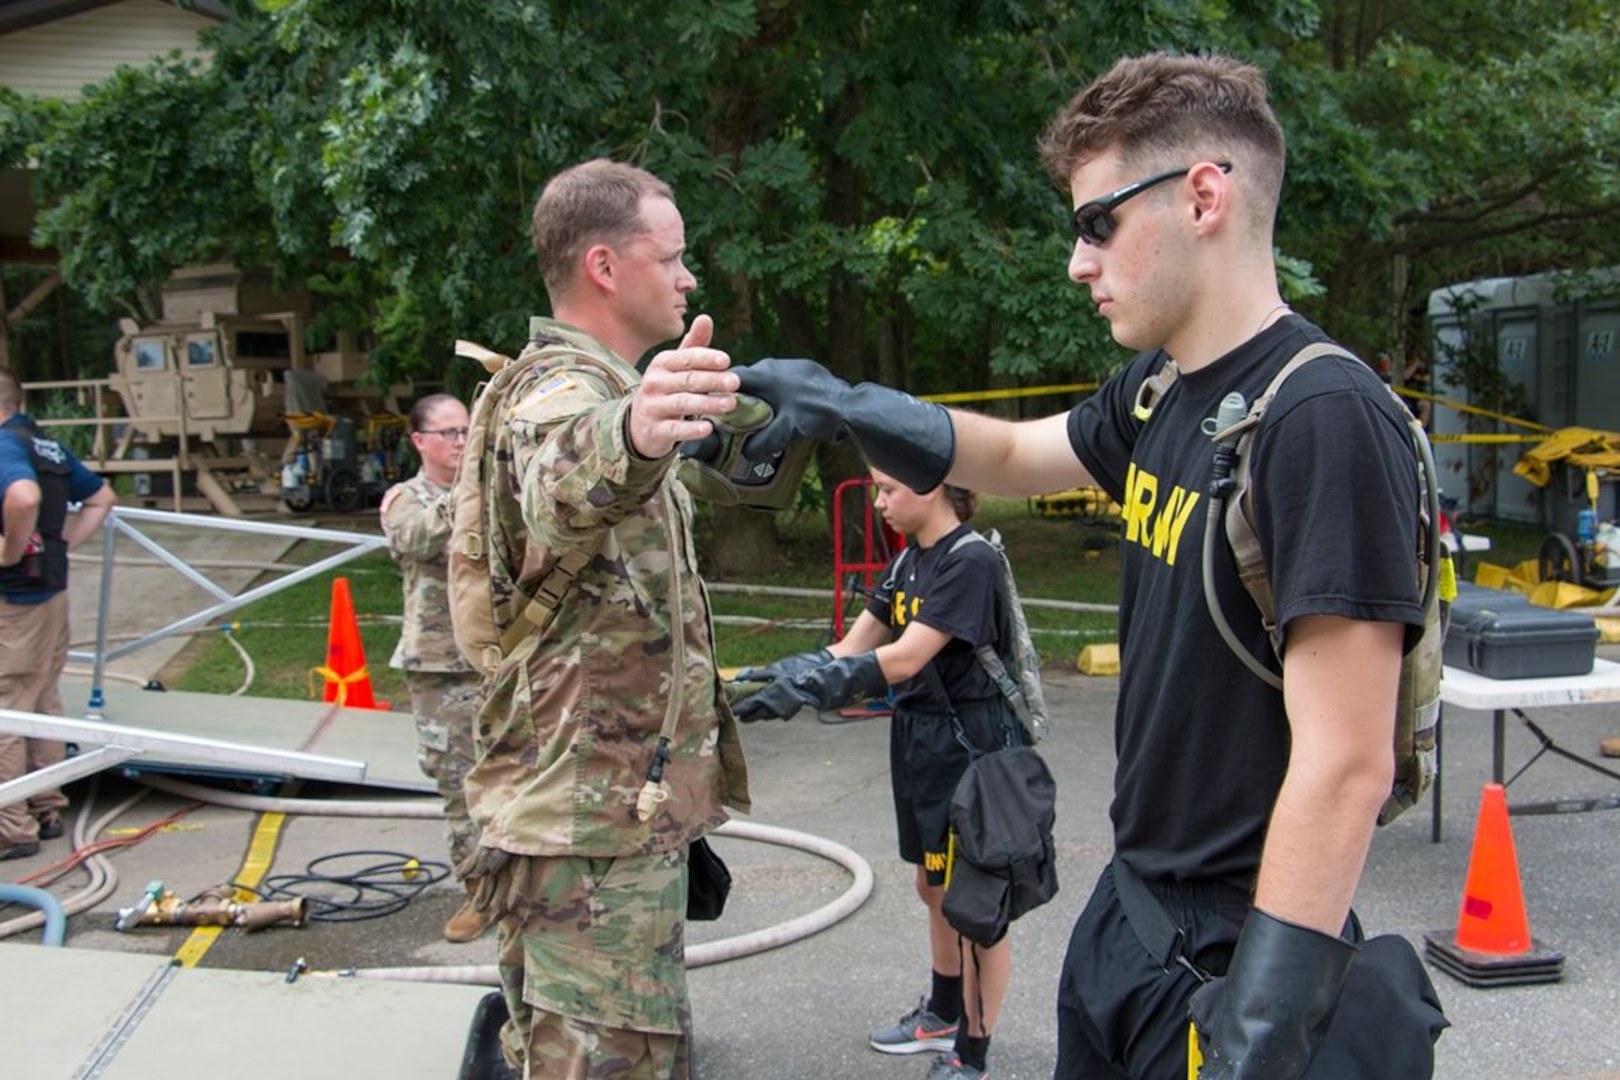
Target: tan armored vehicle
{"type": "Point", "coordinates": [221, 394]}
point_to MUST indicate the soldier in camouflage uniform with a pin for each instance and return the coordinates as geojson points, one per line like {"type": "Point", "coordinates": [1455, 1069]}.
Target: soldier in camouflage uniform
{"type": "Point", "coordinates": [592, 890]}
{"type": "Point", "coordinates": [443, 686]}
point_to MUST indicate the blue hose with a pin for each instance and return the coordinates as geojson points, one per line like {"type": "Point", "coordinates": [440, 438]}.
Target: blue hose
{"type": "Point", "coordinates": [55, 917]}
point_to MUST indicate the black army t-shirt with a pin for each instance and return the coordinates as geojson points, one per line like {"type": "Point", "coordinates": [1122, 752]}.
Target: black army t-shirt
{"type": "Point", "coordinates": [1202, 743]}
{"type": "Point", "coordinates": [953, 590]}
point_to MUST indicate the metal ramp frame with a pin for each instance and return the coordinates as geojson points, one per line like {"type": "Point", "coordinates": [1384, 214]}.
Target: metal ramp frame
{"type": "Point", "coordinates": [120, 521]}
{"type": "Point", "coordinates": [115, 744]}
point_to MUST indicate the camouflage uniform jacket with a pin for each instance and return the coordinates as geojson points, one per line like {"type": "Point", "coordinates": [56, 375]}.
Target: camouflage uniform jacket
{"type": "Point", "coordinates": [417, 524]}
{"type": "Point", "coordinates": [569, 729]}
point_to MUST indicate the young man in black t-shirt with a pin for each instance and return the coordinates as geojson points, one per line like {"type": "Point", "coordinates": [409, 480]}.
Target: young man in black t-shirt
{"type": "Point", "coordinates": [1241, 814]}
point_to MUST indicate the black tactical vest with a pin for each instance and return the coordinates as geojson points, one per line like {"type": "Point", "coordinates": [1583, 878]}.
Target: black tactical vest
{"type": "Point", "coordinates": [44, 568]}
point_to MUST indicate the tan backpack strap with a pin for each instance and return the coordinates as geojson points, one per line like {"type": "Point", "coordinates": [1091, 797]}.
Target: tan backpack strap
{"type": "Point", "coordinates": [493, 361]}
{"type": "Point", "coordinates": [541, 609]}
{"type": "Point", "coordinates": [1240, 533]}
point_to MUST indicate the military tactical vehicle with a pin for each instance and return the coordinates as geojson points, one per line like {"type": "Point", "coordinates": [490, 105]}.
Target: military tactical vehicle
{"type": "Point", "coordinates": [219, 396]}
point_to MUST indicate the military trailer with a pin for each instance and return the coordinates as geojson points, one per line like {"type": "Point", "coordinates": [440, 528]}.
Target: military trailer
{"type": "Point", "coordinates": [219, 396]}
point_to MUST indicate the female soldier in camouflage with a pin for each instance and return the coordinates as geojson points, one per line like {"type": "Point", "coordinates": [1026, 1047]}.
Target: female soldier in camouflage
{"type": "Point", "coordinates": [443, 686]}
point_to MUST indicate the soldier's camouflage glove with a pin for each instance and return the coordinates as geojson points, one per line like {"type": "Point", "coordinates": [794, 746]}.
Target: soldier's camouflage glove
{"type": "Point", "coordinates": [908, 438]}
{"type": "Point", "coordinates": [785, 667]}
{"type": "Point", "coordinates": [1264, 1018]}
{"type": "Point", "coordinates": [830, 686]}
{"type": "Point", "coordinates": [497, 880]}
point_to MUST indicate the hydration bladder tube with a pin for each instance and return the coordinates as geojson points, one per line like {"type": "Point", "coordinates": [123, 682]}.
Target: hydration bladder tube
{"type": "Point", "coordinates": [1224, 429]}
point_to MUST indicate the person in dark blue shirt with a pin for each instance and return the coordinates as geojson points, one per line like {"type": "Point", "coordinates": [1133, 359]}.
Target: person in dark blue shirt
{"type": "Point", "coordinates": [39, 478]}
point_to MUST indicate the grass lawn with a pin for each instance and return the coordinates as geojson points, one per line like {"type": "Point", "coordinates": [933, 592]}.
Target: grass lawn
{"type": "Point", "coordinates": [285, 633]}
{"type": "Point", "coordinates": [1063, 559]}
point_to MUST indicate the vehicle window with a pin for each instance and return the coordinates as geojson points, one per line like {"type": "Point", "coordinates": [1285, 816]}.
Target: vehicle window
{"type": "Point", "coordinates": [201, 352]}
{"type": "Point", "coordinates": [151, 355]}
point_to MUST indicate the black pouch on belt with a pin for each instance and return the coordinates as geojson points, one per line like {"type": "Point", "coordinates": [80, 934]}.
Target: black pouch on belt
{"type": "Point", "coordinates": [708, 882]}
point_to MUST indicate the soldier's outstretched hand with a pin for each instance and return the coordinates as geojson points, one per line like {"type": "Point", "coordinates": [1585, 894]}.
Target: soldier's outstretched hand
{"type": "Point", "coordinates": [679, 390]}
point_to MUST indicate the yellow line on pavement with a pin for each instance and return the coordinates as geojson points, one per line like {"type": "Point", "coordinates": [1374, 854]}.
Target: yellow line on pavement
{"type": "Point", "coordinates": [261, 853]}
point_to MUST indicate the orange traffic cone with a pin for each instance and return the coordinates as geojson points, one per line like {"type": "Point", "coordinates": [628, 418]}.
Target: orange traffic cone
{"type": "Point", "coordinates": [348, 681]}
{"type": "Point", "coordinates": [1492, 919]}
{"type": "Point", "coordinates": [1492, 945]}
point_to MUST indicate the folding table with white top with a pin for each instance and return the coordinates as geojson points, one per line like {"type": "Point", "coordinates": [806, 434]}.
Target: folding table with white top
{"type": "Point", "coordinates": [1468, 690]}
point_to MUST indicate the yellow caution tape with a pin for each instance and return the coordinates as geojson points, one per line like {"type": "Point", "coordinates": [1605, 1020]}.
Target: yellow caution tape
{"type": "Point", "coordinates": [1488, 439]}
{"type": "Point", "coordinates": [1013, 392]}
{"type": "Point", "coordinates": [1472, 410]}
{"type": "Point", "coordinates": [342, 681]}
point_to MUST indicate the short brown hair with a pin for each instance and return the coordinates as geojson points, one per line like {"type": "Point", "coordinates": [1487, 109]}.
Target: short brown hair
{"type": "Point", "coordinates": [593, 202]}
{"type": "Point", "coordinates": [1162, 111]}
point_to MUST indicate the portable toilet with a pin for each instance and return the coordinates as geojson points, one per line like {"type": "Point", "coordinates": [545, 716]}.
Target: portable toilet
{"type": "Point", "coordinates": [1501, 318]}
{"type": "Point", "coordinates": [1552, 336]}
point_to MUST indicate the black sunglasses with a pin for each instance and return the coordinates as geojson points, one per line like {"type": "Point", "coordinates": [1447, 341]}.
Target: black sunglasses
{"type": "Point", "coordinates": [1094, 221]}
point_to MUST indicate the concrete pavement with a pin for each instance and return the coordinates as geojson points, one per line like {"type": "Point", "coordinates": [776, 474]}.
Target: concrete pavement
{"type": "Point", "coordinates": [801, 1012]}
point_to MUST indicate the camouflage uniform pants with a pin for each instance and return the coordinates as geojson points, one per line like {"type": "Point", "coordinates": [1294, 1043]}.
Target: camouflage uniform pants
{"type": "Point", "coordinates": [593, 968]}
{"type": "Point", "coordinates": [444, 704]}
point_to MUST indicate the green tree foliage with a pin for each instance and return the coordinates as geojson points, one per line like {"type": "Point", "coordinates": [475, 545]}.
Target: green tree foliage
{"type": "Point", "coordinates": [1434, 143]}
{"type": "Point", "coordinates": [859, 179]}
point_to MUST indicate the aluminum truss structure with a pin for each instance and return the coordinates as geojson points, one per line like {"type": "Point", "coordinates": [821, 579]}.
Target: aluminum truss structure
{"type": "Point", "coordinates": [114, 744]}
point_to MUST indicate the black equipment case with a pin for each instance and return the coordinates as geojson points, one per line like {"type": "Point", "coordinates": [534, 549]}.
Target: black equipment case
{"type": "Point", "coordinates": [1507, 637]}
{"type": "Point", "coordinates": [1472, 599]}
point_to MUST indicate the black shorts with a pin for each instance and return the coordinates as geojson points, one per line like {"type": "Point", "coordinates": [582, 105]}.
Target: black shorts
{"type": "Point", "coordinates": [1121, 1016]}
{"type": "Point", "coordinates": [925, 762]}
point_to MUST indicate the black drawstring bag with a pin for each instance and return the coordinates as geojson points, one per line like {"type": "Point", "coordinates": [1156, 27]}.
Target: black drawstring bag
{"type": "Point", "coordinates": [1003, 862]}
{"type": "Point", "coordinates": [708, 882]}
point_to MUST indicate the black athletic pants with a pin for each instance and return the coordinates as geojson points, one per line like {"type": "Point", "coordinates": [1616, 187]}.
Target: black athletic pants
{"type": "Point", "coordinates": [1122, 1017]}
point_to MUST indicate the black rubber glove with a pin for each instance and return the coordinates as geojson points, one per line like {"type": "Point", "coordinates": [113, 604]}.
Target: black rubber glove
{"type": "Point", "coordinates": [908, 438]}
{"type": "Point", "coordinates": [1264, 1018]}
{"type": "Point", "coordinates": [830, 686]}
{"type": "Point", "coordinates": [786, 667]}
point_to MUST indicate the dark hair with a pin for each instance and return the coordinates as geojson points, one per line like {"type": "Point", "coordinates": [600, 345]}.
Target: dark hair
{"type": "Point", "coordinates": [1162, 111]}
{"type": "Point", "coordinates": [425, 406]}
{"type": "Point", "coordinates": [596, 201]}
{"type": "Point", "coordinates": [963, 501]}
{"type": "Point", "coordinates": [11, 392]}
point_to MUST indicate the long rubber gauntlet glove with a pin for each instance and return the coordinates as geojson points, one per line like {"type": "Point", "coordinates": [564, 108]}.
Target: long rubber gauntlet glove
{"type": "Point", "coordinates": [908, 438]}
{"type": "Point", "coordinates": [830, 686]}
{"type": "Point", "coordinates": [1264, 1018]}
{"type": "Point", "coordinates": [785, 667]}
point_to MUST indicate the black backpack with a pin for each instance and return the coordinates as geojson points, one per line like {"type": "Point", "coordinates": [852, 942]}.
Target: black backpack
{"type": "Point", "coordinates": [1002, 862]}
